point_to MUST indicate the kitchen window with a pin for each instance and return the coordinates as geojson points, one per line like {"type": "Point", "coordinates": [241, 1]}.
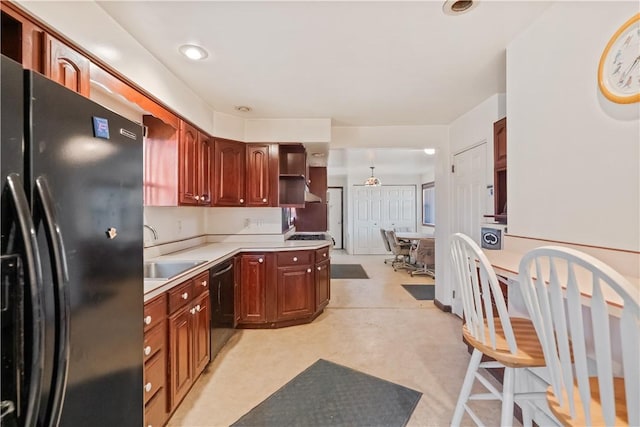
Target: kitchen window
{"type": "Point", "coordinates": [428, 203]}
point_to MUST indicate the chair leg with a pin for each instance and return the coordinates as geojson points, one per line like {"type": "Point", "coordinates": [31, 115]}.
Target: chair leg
{"type": "Point", "coordinates": [465, 391]}
{"type": "Point", "coordinates": [506, 418]}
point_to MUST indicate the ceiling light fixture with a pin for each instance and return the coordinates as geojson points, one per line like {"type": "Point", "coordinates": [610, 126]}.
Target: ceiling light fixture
{"type": "Point", "coordinates": [243, 108]}
{"type": "Point", "coordinates": [429, 151]}
{"type": "Point", "coordinates": [372, 181]}
{"type": "Point", "coordinates": [193, 52]}
{"type": "Point", "coordinates": [458, 7]}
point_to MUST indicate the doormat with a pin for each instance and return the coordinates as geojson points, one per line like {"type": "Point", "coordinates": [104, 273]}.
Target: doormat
{"type": "Point", "coordinates": [348, 271]}
{"type": "Point", "coordinates": [328, 394]}
{"type": "Point", "coordinates": [421, 292]}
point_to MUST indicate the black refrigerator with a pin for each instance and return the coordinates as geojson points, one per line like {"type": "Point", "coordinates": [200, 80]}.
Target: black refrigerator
{"type": "Point", "coordinates": [72, 279]}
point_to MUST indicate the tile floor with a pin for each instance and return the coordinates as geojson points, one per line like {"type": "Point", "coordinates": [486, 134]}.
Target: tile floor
{"type": "Point", "coordinates": [372, 325]}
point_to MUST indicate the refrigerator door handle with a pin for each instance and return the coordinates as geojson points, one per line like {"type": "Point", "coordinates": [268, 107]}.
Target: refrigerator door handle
{"type": "Point", "coordinates": [61, 277]}
{"type": "Point", "coordinates": [36, 290]}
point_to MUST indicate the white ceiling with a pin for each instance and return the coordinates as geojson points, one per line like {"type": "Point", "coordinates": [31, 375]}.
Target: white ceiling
{"type": "Point", "coordinates": [358, 63]}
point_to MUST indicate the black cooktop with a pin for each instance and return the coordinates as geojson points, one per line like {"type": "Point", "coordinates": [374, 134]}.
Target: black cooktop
{"type": "Point", "coordinates": [308, 237]}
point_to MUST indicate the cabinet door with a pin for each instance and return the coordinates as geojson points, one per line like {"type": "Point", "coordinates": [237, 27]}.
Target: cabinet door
{"type": "Point", "coordinates": [295, 292]}
{"type": "Point", "coordinates": [22, 40]}
{"type": "Point", "coordinates": [201, 333]}
{"type": "Point", "coordinates": [228, 173]}
{"type": "Point", "coordinates": [261, 174]}
{"type": "Point", "coordinates": [323, 284]}
{"type": "Point", "coordinates": [500, 144]}
{"type": "Point", "coordinates": [66, 66]}
{"type": "Point", "coordinates": [253, 284]}
{"type": "Point", "coordinates": [160, 163]}
{"type": "Point", "coordinates": [181, 354]}
{"type": "Point", "coordinates": [188, 166]}
{"type": "Point", "coordinates": [204, 169]}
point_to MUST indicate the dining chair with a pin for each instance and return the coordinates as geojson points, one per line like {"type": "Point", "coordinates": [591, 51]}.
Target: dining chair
{"type": "Point", "coordinates": [424, 254]}
{"type": "Point", "coordinates": [387, 246]}
{"type": "Point", "coordinates": [400, 250]}
{"type": "Point", "coordinates": [487, 327]}
{"type": "Point", "coordinates": [592, 383]}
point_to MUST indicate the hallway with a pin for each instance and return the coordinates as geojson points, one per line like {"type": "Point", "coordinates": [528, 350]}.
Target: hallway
{"type": "Point", "coordinates": [372, 325]}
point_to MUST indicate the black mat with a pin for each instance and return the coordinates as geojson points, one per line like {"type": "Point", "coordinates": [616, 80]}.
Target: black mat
{"type": "Point", "coordinates": [327, 394]}
{"type": "Point", "coordinates": [348, 271]}
{"type": "Point", "coordinates": [421, 292]}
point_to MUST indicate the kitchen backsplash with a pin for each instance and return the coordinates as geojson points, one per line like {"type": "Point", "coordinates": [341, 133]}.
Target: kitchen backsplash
{"type": "Point", "coordinates": [180, 223]}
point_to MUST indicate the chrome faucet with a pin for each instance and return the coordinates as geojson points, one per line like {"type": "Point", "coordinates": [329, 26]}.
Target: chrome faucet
{"type": "Point", "coordinates": [153, 230]}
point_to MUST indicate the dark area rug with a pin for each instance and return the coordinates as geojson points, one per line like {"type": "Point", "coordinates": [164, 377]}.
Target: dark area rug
{"type": "Point", "coordinates": [327, 394]}
{"type": "Point", "coordinates": [421, 292]}
{"type": "Point", "coordinates": [348, 271]}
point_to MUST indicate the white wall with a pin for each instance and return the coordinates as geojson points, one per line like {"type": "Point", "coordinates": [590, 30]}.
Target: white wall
{"type": "Point", "coordinates": [173, 223]}
{"type": "Point", "coordinates": [227, 221]}
{"type": "Point", "coordinates": [573, 156]}
{"type": "Point", "coordinates": [287, 130]}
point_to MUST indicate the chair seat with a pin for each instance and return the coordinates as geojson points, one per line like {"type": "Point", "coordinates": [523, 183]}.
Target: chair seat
{"type": "Point", "coordinates": [564, 416]}
{"type": "Point", "coordinates": [529, 350]}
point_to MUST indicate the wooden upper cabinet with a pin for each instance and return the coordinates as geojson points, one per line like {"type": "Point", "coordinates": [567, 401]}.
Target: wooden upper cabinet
{"type": "Point", "coordinates": [228, 177]}
{"type": "Point", "coordinates": [205, 151]}
{"type": "Point", "coordinates": [22, 40]}
{"type": "Point", "coordinates": [66, 66]}
{"type": "Point", "coordinates": [160, 163]}
{"type": "Point", "coordinates": [500, 143]}
{"type": "Point", "coordinates": [188, 167]}
{"type": "Point", "coordinates": [261, 175]}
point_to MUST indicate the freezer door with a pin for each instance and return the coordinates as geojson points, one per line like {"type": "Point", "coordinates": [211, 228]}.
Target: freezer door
{"type": "Point", "coordinates": [86, 196]}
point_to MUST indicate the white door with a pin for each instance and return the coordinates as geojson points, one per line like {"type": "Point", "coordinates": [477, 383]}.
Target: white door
{"type": "Point", "coordinates": [469, 186]}
{"type": "Point", "coordinates": [334, 195]}
{"type": "Point", "coordinates": [380, 207]}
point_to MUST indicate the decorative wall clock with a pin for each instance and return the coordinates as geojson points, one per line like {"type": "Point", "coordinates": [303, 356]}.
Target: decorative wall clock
{"type": "Point", "coordinates": [619, 69]}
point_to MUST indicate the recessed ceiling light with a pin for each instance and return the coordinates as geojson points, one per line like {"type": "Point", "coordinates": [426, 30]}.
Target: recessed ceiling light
{"type": "Point", "coordinates": [193, 52]}
{"type": "Point", "coordinates": [430, 151]}
{"type": "Point", "coordinates": [243, 108]}
{"type": "Point", "coordinates": [458, 7]}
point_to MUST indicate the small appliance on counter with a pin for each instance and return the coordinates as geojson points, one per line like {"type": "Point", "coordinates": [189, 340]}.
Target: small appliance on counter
{"type": "Point", "coordinates": [491, 235]}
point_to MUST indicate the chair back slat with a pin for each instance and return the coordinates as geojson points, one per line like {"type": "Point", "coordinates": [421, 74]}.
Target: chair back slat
{"type": "Point", "coordinates": [576, 338]}
{"type": "Point", "coordinates": [480, 291]}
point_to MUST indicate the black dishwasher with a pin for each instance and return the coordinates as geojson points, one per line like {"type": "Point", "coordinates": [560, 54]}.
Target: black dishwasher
{"type": "Point", "coordinates": [222, 305]}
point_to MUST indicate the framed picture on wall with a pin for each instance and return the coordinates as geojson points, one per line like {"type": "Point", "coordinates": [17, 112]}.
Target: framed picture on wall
{"type": "Point", "coordinates": [428, 203]}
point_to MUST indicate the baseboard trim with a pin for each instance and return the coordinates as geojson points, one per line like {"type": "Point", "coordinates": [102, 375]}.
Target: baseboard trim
{"type": "Point", "coordinates": [441, 306]}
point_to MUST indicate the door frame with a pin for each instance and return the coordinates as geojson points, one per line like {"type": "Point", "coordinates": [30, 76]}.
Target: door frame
{"type": "Point", "coordinates": [341, 188]}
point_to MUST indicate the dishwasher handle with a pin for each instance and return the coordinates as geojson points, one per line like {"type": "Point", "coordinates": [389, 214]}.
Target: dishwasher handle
{"type": "Point", "coordinates": [221, 272]}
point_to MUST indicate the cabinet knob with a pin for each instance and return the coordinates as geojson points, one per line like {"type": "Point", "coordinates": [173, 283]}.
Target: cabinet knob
{"type": "Point", "coordinates": [147, 320]}
{"type": "Point", "coordinates": [204, 283]}
{"type": "Point", "coordinates": [319, 268]}
{"type": "Point", "coordinates": [264, 200]}
{"type": "Point", "coordinates": [308, 270]}
{"type": "Point", "coordinates": [185, 295]}
{"type": "Point", "coordinates": [192, 311]}
{"type": "Point", "coordinates": [204, 197]}
{"type": "Point", "coordinates": [196, 197]}
{"type": "Point", "coordinates": [147, 387]}
{"type": "Point", "coordinates": [198, 308]}
{"type": "Point", "coordinates": [241, 200]}
{"type": "Point", "coordinates": [260, 260]}
{"type": "Point", "coordinates": [295, 258]}
{"type": "Point", "coordinates": [147, 350]}
{"type": "Point", "coordinates": [324, 254]}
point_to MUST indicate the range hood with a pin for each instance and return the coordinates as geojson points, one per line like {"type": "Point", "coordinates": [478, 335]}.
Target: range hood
{"type": "Point", "coordinates": [309, 197]}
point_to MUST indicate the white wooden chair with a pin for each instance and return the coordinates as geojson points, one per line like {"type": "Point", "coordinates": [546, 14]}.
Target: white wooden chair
{"type": "Point", "coordinates": [577, 342]}
{"type": "Point", "coordinates": [511, 342]}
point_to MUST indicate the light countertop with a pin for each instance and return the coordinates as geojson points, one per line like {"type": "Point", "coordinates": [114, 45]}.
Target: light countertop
{"type": "Point", "coordinates": [214, 253]}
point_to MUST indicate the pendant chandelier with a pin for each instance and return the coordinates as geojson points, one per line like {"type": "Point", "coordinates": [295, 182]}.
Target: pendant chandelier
{"type": "Point", "coordinates": [372, 181]}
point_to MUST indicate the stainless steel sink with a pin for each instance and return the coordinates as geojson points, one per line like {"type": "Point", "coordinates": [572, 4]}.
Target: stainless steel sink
{"type": "Point", "coordinates": [163, 270]}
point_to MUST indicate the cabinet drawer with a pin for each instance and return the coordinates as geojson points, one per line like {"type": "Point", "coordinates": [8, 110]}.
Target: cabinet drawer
{"type": "Point", "coordinates": [293, 258]}
{"type": "Point", "coordinates": [154, 340]}
{"type": "Point", "coordinates": [322, 254]}
{"type": "Point", "coordinates": [154, 311]}
{"type": "Point", "coordinates": [201, 284]}
{"type": "Point", "coordinates": [154, 410]}
{"type": "Point", "coordinates": [154, 375]}
{"type": "Point", "coordinates": [180, 296]}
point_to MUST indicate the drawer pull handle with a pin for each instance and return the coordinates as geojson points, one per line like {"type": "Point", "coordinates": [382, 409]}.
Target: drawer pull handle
{"type": "Point", "coordinates": [295, 258]}
{"type": "Point", "coordinates": [147, 320]}
{"type": "Point", "coordinates": [260, 260]}
{"type": "Point", "coordinates": [147, 387]}
{"type": "Point", "coordinates": [204, 283]}
{"type": "Point", "coordinates": [308, 270]}
{"type": "Point", "coordinates": [147, 350]}
{"type": "Point", "coordinates": [185, 295]}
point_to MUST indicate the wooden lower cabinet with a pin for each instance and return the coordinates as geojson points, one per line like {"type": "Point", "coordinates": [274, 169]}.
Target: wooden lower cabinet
{"type": "Point", "coordinates": [286, 288]}
{"type": "Point", "coordinates": [154, 352]}
{"type": "Point", "coordinates": [189, 344]}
